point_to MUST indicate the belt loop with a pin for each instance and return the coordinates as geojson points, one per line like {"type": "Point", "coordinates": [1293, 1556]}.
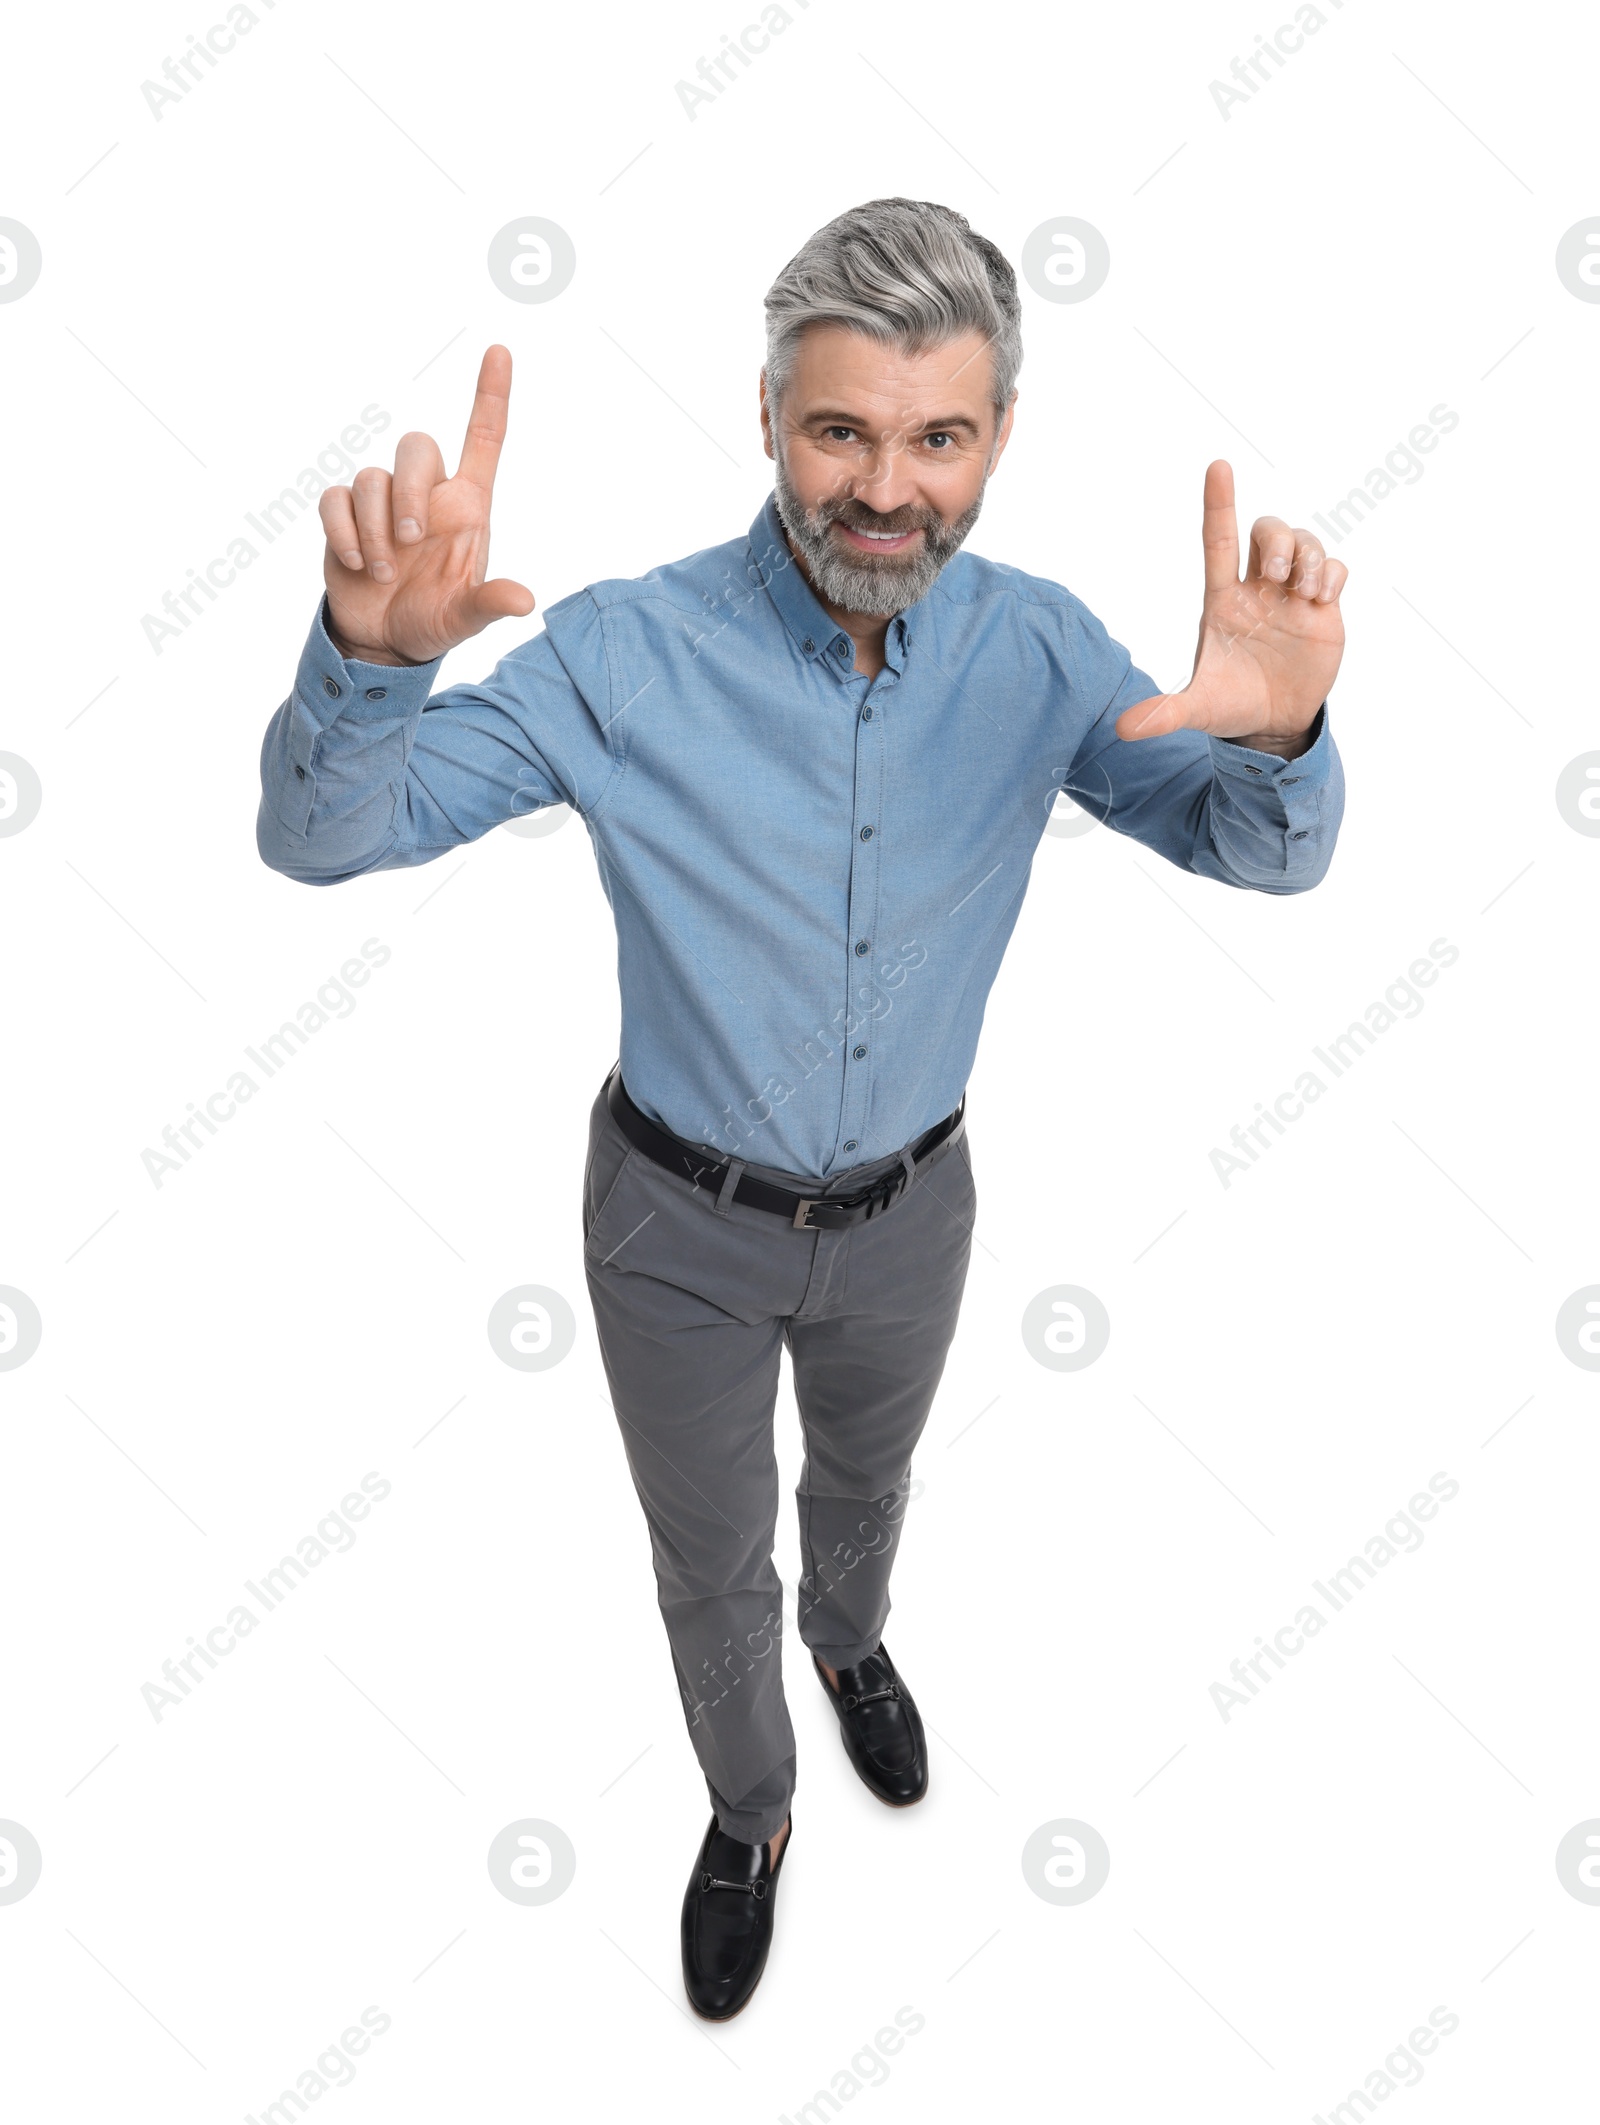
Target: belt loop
{"type": "Point", "coordinates": [909, 1163]}
{"type": "Point", "coordinates": [730, 1181]}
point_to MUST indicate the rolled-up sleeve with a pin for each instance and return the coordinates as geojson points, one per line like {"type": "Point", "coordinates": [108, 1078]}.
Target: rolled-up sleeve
{"type": "Point", "coordinates": [365, 768]}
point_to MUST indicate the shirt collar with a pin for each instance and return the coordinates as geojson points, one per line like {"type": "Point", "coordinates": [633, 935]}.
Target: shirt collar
{"type": "Point", "coordinates": [773, 565]}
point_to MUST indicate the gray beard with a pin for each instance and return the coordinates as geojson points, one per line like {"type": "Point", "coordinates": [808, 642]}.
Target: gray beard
{"type": "Point", "coordinates": [875, 586]}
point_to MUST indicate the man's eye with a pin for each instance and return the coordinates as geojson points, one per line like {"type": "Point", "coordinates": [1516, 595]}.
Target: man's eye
{"type": "Point", "coordinates": [940, 435]}
{"type": "Point", "coordinates": [841, 435]}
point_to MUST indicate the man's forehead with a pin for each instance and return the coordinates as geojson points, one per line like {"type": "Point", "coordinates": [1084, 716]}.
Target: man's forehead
{"type": "Point", "coordinates": [834, 363]}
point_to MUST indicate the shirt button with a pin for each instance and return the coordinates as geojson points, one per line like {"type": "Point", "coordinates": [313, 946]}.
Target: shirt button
{"type": "Point", "coordinates": [851, 1144]}
{"type": "Point", "coordinates": [858, 1053]}
{"type": "Point", "coordinates": [331, 686]}
{"type": "Point", "coordinates": [1249, 770]}
{"type": "Point", "coordinates": [862, 947]}
{"type": "Point", "coordinates": [866, 715]}
{"type": "Point", "coordinates": [808, 645]}
{"type": "Point", "coordinates": [841, 646]}
{"type": "Point", "coordinates": [1285, 780]}
{"type": "Point", "coordinates": [377, 693]}
{"type": "Point", "coordinates": [300, 773]}
{"type": "Point", "coordinates": [1301, 835]}
{"type": "Point", "coordinates": [866, 833]}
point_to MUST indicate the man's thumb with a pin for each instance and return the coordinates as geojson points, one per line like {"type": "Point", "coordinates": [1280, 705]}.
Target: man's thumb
{"type": "Point", "coordinates": [1152, 718]}
{"type": "Point", "coordinates": [502, 599]}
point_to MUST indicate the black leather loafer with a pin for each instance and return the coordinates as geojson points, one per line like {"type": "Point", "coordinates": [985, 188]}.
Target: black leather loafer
{"type": "Point", "coordinates": [882, 1731]}
{"type": "Point", "coordinates": [727, 1922]}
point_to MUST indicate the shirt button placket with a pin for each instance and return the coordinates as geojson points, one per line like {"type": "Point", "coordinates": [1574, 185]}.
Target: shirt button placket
{"type": "Point", "coordinates": [860, 1048]}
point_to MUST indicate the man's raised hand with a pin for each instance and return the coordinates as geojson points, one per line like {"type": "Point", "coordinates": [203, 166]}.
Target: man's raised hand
{"type": "Point", "coordinates": [408, 552]}
{"type": "Point", "coordinates": [1269, 646]}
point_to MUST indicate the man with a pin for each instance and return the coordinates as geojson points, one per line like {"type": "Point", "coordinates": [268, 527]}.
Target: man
{"type": "Point", "coordinates": [815, 764]}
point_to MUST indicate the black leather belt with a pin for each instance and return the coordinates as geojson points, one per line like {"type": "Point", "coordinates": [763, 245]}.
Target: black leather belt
{"type": "Point", "coordinates": [811, 1213]}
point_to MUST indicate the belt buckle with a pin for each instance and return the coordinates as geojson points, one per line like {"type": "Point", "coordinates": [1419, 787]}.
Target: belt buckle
{"type": "Point", "coordinates": [802, 1215]}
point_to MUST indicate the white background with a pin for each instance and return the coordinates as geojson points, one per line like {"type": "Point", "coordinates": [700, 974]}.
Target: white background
{"type": "Point", "coordinates": [1291, 1357]}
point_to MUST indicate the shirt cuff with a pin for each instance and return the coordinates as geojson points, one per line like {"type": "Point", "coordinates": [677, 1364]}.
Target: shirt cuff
{"type": "Point", "coordinates": [1313, 767]}
{"type": "Point", "coordinates": [329, 685]}
{"type": "Point", "coordinates": [1298, 785]}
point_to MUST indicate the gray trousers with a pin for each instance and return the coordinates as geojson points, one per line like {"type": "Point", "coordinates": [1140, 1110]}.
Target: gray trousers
{"type": "Point", "coordinates": [694, 1301]}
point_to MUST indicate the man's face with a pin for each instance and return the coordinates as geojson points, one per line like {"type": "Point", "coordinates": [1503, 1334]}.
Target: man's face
{"type": "Point", "coordinates": [881, 461]}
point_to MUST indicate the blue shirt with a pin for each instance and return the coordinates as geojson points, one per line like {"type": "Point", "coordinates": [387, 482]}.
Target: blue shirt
{"type": "Point", "coordinates": [813, 875]}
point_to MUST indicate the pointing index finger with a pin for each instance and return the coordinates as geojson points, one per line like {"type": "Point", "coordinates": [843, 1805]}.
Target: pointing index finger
{"type": "Point", "coordinates": [486, 426]}
{"type": "Point", "coordinates": [1219, 529]}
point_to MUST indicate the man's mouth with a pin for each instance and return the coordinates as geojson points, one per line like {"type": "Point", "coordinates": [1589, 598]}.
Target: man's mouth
{"type": "Point", "coordinates": [876, 541]}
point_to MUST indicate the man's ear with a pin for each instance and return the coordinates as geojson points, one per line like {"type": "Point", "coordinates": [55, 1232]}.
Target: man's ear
{"type": "Point", "coordinates": [766, 419]}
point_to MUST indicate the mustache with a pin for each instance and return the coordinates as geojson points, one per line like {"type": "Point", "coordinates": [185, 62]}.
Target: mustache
{"type": "Point", "coordinates": [856, 516]}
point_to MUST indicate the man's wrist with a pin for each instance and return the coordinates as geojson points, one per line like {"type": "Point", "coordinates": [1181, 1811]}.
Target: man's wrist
{"type": "Point", "coordinates": [366, 656]}
{"type": "Point", "coordinates": [351, 654]}
{"type": "Point", "coordinates": [1287, 748]}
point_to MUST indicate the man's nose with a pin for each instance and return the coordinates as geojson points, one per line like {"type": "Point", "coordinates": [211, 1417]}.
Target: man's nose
{"type": "Point", "coordinates": [888, 481]}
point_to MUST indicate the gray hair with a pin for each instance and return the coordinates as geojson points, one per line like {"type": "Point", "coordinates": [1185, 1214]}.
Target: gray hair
{"type": "Point", "coordinates": [905, 272]}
